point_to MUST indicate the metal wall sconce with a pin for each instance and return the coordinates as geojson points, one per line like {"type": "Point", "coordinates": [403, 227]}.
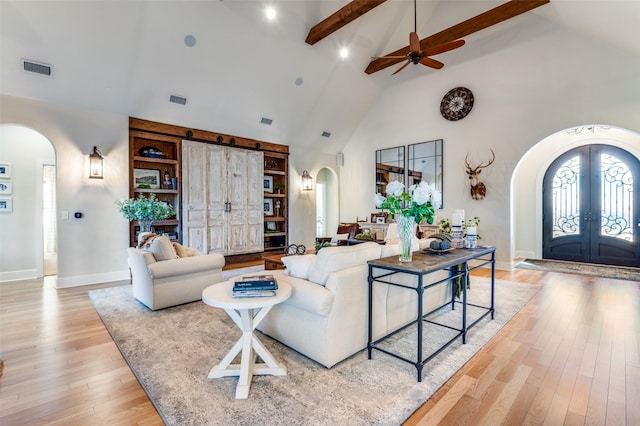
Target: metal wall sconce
{"type": "Point", "coordinates": [307, 181]}
{"type": "Point", "coordinates": [96, 164]}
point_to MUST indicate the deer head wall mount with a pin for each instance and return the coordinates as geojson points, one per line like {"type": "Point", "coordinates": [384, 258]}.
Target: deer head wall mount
{"type": "Point", "coordinates": [478, 190]}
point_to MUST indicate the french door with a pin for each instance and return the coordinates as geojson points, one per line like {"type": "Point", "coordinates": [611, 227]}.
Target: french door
{"type": "Point", "coordinates": [591, 207]}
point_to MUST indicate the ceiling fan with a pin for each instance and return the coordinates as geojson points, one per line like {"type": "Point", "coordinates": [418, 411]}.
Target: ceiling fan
{"type": "Point", "coordinates": [417, 56]}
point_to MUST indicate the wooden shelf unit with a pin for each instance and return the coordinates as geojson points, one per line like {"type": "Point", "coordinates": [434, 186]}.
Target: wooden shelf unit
{"type": "Point", "coordinates": [276, 232]}
{"type": "Point", "coordinates": [168, 139]}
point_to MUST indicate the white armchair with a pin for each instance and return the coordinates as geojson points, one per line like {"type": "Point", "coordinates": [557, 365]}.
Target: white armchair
{"type": "Point", "coordinates": [165, 283]}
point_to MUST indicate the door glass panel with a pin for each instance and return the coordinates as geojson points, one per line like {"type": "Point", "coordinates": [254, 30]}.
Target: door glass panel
{"type": "Point", "coordinates": [617, 198]}
{"type": "Point", "coordinates": [566, 199]}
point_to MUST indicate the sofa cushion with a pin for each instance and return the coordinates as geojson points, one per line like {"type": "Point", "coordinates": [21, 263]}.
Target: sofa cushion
{"type": "Point", "coordinates": [162, 248]}
{"type": "Point", "coordinates": [331, 259]}
{"type": "Point", "coordinates": [299, 266]}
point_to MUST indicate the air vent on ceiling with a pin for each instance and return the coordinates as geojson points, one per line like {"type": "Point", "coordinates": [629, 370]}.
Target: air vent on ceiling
{"type": "Point", "coordinates": [178, 99]}
{"type": "Point", "coordinates": [35, 67]}
{"type": "Point", "coordinates": [266, 121]}
{"type": "Point", "coordinates": [326, 134]}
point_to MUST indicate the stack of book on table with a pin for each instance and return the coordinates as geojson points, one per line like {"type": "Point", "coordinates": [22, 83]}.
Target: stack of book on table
{"type": "Point", "coordinates": [255, 286]}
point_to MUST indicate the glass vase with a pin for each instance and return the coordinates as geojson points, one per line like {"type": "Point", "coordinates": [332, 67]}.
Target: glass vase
{"type": "Point", "coordinates": [145, 225]}
{"type": "Point", "coordinates": [406, 231]}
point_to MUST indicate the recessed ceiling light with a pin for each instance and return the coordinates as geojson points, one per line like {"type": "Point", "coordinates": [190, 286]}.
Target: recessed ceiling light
{"type": "Point", "coordinates": [270, 13]}
{"type": "Point", "coordinates": [344, 53]}
{"type": "Point", "coordinates": [265, 120]}
{"type": "Point", "coordinates": [326, 134]}
{"type": "Point", "coordinates": [299, 81]}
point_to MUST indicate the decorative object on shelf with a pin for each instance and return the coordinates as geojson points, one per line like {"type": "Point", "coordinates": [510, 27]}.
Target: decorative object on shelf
{"type": "Point", "coordinates": [166, 183]}
{"type": "Point", "coordinates": [268, 184]}
{"type": "Point", "coordinates": [278, 187]}
{"type": "Point", "coordinates": [145, 210]}
{"type": "Point", "coordinates": [408, 208]}
{"type": "Point", "coordinates": [307, 181]}
{"type": "Point", "coordinates": [268, 207]}
{"type": "Point", "coordinates": [441, 242]}
{"type": "Point", "coordinates": [271, 227]}
{"type": "Point", "coordinates": [456, 104]}
{"type": "Point", "coordinates": [478, 190]}
{"type": "Point", "coordinates": [96, 164]}
{"type": "Point", "coordinates": [445, 228]}
{"type": "Point", "coordinates": [278, 207]}
{"type": "Point", "coordinates": [146, 178]}
{"type": "Point", "coordinates": [151, 152]}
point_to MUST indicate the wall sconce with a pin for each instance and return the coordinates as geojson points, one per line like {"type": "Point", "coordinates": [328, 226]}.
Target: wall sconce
{"type": "Point", "coordinates": [96, 166]}
{"type": "Point", "coordinates": [307, 181]}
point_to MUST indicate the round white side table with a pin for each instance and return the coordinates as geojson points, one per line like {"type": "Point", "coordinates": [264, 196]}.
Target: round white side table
{"type": "Point", "coordinates": [247, 314]}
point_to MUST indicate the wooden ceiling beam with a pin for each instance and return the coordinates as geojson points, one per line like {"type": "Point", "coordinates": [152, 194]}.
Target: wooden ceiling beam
{"type": "Point", "coordinates": [484, 20]}
{"type": "Point", "coordinates": [339, 19]}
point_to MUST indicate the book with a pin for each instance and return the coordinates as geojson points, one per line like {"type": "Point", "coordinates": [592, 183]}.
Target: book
{"type": "Point", "coordinates": [254, 293]}
{"type": "Point", "coordinates": [258, 282]}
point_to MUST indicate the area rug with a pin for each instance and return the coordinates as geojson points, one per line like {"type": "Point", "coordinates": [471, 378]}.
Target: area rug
{"type": "Point", "coordinates": [589, 269]}
{"type": "Point", "coordinates": [172, 350]}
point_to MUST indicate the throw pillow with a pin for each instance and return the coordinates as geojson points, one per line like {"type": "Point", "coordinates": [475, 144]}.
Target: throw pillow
{"type": "Point", "coordinates": [299, 266]}
{"type": "Point", "coordinates": [338, 237]}
{"type": "Point", "coordinates": [182, 251]}
{"type": "Point", "coordinates": [162, 248]}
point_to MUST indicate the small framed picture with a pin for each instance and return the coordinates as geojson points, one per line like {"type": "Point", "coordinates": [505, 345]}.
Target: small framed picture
{"type": "Point", "coordinates": [268, 207]}
{"type": "Point", "coordinates": [268, 183]}
{"type": "Point", "coordinates": [146, 178]}
{"type": "Point", "coordinates": [271, 226]}
{"type": "Point", "coordinates": [5, 170]}
{"type": "Point", "coordinates": [6, 205]}
{"type": "Point", "coordinates": [5, 186]}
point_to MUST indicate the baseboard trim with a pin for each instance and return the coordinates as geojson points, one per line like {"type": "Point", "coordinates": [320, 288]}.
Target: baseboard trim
{"type": "Point", "coordinates": [80, 280]}
{"type": "Point", "coordinates": [27, 274]}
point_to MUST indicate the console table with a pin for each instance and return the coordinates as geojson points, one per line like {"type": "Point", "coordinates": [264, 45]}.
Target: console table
{"type": "Point", "coordinates": [383, 270]}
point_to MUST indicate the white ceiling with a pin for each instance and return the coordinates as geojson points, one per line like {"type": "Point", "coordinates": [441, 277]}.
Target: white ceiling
{"type": "Point", "coordinates": [127, 57]}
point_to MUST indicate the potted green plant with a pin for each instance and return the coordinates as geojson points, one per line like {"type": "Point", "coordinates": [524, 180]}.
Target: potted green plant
{"type": "Point", "coordinates": [145, 210]}
{"type": "Point", "coordinates": [278, 187]}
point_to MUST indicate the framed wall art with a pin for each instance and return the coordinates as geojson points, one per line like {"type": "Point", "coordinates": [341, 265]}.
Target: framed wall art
{"type": "Point", "coordinates": [268, 207]}
{"type": "Point", "coordinates": [5, 170]}
{"type": "Point", "coordinates": [6, 205]}
{"type": "Point", "coordinates": [268, 183]}
{"type": "Point", "coordinates": [5, 186]}
{"type": "Point", "coordinates": [146, 178]}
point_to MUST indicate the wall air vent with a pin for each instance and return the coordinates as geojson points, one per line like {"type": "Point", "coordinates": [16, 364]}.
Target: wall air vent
{"type": "Point", "coordinates": [326, 134]}
{"type": "Point", "coordinates": [36, 67]}
{"type": "Point", "coordinates": [178, 99]}
{"type": "Point", "coordinates": [266, 121]}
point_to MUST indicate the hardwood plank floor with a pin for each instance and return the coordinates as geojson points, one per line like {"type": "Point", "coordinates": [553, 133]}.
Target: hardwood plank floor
{"type": "Point", "coordinates": [571, 356]}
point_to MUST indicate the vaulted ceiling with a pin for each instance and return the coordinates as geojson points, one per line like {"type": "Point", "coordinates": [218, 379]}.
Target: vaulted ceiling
{"type": "Point", "coordinates": [128, 57]}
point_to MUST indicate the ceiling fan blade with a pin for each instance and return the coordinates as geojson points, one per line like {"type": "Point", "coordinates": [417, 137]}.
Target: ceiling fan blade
{"type": "Point", "coordinates": [444, 48]}
{"type": "Point", "coordinates": [401, 68]}
{"type": "Point", "coordinates": [431, 63]}
{"type": "Point", "coordinates": [479, 22]}
{"type": "Point", "coordinates": [414, 42]}
{"type": "Point", "coordinates": [389, 57]}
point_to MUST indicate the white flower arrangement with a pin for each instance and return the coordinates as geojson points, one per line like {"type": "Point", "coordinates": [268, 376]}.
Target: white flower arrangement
{"type": "Point", "coordinates": [417, 202]}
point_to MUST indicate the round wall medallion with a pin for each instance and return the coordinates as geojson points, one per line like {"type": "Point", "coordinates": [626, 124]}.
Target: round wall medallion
{"type": "Point", "coordinates": [456, 104]}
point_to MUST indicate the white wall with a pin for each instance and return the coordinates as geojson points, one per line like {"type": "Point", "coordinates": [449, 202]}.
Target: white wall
{"type": "Point", "coordinates": [21, 246]}
{"type": "Point", "coordinates": [91, 249]}
{"type": "Point", "coordinates": [522, 95]}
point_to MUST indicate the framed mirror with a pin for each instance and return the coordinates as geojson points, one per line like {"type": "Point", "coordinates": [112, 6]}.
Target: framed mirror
{"type": "Point", "coordinates": [390, 166]}
{"type": "Point", "coordinates": [425, 164]}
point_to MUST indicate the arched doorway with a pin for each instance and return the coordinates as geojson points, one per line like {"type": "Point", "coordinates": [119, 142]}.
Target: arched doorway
{"type": "Point", "coordinates": [591, 206]}
{"type": "Point", "coordinates": [528, 176]}
{"type": "Point", "coordinates": [31, 159]}
{"type": "Point", "coordinates": [327, 211]}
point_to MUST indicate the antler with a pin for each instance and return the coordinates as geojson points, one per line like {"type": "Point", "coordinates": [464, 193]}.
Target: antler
{"type": "Point", "coordinates": [480, 166]}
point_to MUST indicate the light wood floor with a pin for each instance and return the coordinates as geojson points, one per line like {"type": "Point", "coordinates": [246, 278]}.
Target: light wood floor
{"type": "Point", "coordinates": [571, 356]}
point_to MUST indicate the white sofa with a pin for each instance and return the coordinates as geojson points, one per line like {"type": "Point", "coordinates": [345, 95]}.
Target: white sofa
{"type": "Point", "coordinates": [163, 283]}
{"type": "Point", "coordinates": [326, 317]}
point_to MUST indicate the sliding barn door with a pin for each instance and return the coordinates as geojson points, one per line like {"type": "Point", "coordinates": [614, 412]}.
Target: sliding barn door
{"type": "Point", "coordinates": [591, 207]}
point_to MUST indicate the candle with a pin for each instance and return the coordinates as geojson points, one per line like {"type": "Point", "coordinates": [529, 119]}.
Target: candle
{"type": "Point", "coordinates": [471, 230]}
{"type": "Point", "coordinates": [461, 213]}
{"type": "Point", "coordinates": [456, 219]}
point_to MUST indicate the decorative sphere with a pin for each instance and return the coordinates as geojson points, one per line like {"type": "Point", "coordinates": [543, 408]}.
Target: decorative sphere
{"type": "Point", "coordinates": [435, 244]}
{"type": "Point", "coordinates": [445, 245]}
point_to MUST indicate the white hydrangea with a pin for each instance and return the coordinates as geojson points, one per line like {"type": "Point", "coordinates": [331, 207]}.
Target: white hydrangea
{"type": "Point", "coordinates": [421, 193]}
{"type": "Point", "coordinates": [395, 188]}
{"type": "Point", "coordinates": [378, 199]}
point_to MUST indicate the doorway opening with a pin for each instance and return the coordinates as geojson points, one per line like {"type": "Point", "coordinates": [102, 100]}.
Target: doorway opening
{"type": "Point", "coordinates": [327, 211]}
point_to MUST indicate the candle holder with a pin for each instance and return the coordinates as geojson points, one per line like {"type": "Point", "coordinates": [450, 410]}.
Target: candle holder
{"type": "Point", "coordinates": [457, 241]}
